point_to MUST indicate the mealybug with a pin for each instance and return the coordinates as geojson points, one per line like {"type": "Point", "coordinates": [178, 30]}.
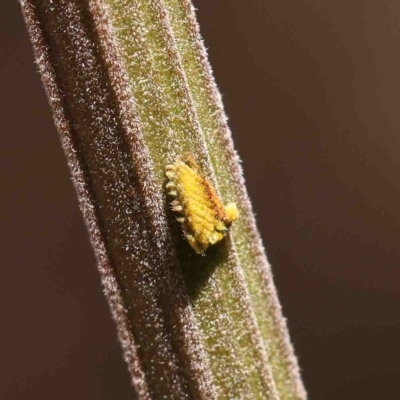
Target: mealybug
{"type": "Point", "coordinates": [204, 219]}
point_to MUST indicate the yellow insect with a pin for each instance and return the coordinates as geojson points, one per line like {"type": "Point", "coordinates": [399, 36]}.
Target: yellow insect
{"type": "Point", "coordinates": [204, 219]}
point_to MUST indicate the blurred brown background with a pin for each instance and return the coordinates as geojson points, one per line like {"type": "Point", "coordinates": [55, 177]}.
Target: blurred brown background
{"type": "Point", "coordinates": [312, 91]}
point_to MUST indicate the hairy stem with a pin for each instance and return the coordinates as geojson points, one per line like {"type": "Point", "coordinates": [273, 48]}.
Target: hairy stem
{"type": "Point", "coordinates": [131, 88]}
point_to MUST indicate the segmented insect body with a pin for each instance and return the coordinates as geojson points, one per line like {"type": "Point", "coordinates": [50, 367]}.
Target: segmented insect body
{"type": "Point", "coordinates": [204, 219]}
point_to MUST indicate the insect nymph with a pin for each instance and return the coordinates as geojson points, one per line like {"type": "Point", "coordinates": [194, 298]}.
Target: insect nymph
{"type": "Point", "coordinates": [204, 219]}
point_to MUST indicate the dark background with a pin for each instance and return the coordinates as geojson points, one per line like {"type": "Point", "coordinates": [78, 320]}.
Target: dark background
{"type": "Point", "coordinates": [312, 91]}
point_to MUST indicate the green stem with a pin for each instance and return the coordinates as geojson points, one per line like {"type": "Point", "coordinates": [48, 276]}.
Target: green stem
{"type": "Point", "coordinates": [131, 89]}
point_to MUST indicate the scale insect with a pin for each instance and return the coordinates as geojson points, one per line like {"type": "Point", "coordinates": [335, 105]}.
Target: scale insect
{"type": "Point", "coordinates": [204, 219]}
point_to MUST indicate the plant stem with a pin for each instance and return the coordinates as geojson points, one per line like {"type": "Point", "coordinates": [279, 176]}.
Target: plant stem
{"type": "Point", "coordinates": [131, 88]}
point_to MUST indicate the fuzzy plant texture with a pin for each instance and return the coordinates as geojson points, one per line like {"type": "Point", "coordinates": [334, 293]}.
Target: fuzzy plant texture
{"type": "Point", "coordinates": [131, 90]}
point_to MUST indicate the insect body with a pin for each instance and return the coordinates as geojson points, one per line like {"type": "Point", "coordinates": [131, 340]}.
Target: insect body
{"type": "Point", "coordinates": [204, 219]}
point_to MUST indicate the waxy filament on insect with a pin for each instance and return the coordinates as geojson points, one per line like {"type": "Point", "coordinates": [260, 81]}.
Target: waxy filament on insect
{"type": "Point", "coordinates": [204, 219]}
